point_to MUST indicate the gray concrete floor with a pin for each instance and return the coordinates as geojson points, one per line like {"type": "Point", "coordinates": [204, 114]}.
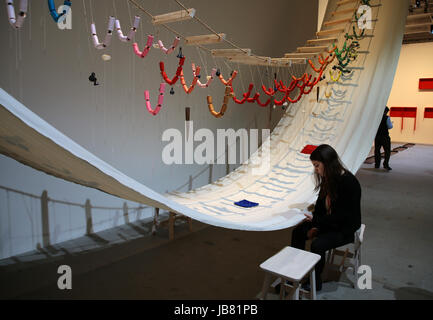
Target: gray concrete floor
{"type": "Point", "coordinates": [214, 263]}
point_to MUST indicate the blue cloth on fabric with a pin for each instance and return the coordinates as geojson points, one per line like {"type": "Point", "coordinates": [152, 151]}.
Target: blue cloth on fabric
{"type": "Point", "coordinates": [246, 204]}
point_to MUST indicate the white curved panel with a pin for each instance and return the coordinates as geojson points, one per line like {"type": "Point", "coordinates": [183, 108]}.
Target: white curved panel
{"type": "Point", "coordinates": [348, 123]}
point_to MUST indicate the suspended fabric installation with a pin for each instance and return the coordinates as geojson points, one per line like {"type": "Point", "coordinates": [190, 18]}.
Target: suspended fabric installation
{"type": "Point", "coordinates": [107, 40]}
{"type": "Point", "coordinates": [160, 100]}
{"type": "Point", "coordinates": [146, 49]}
{"type": "Point", "coordinates": [277, 176]}
{"type": "Point", "coordinates": [227, 96]}
{"type": "Point", "coordinates": [13, 20]}
{"type": "Point", "coordinates": [131, 33]}
{"type": "Point", "coordinates": [53, 11]}
{"type": "Point", "coordinates": [171, 49]}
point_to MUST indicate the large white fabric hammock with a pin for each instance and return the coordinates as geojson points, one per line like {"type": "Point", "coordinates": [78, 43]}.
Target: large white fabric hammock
{"type": "Point", "coordinates": [348, 121]}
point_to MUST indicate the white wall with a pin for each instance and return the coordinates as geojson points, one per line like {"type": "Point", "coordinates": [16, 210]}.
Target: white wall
{"type": "Point", "coordinates": [415, 62]}
{"type": "Point", "coordinates": [47, 69]}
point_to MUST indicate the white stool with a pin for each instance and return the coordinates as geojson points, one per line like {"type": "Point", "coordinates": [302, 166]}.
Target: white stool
{"type": "Point", "coordinates": [293, 265]}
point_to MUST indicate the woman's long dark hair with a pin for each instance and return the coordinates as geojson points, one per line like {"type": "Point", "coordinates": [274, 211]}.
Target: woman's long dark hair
{"type": "Point", "coordinates": [333, 169]}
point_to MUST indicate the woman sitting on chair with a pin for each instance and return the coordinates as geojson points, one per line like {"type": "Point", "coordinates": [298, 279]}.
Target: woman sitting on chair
{"type": "Point", "coordinates": [337, 213]}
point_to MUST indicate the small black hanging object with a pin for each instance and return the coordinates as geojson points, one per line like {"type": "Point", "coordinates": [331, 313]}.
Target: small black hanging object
{"type": "Point", "coordinates": [318, 93]}
{"type": "Point", "coordinates": [180, 55]}
{"type": "Point", "coordinates": [231, 73]}
{"type": "Point", "coordinates": [93, 79]}
{"type": "Point", "coordinates": [199, 76]}
{"type": "Point", "coordinates": [218, 73]}
{"type": "Point", "coordinates": [171, 91]}
{"type": "Point", "coordinates": [275, 76]}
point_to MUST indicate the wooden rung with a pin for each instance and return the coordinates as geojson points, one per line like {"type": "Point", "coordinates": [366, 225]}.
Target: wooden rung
{"type": "Point", "coordinates": [335, 22]}
{"type": "Point", "coordinates": [312, 49]}
{"type": "Point", "coordinates": [328, 32]}
{"type": "Point", "coordinates": [342, 3]}
{"type": "Point", "coordinates": [324, 40]}
{"type": "Point", "coordinates": [426, 30]}
{"type": "Point", "coordinates": [419, 16]}
{"type": "Point", "coordinates": [205, 39]}
{"type": "Point", "coordinates": [285, 61]}
{"type": "Point", "coordinates": [252, 60]}
{"type": "Point", "coordinates": [230, 52]}
{"type": "Point", "coordinates": [173, 16]}
{"type": "Point", "coordinates": [416, 25]}
{"type": "Point", "coordinates": [300, 55]}
{"type": "Point", "coordinates": [341, 12]}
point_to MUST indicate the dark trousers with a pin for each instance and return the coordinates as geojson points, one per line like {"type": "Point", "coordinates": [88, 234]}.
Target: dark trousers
{"type": "Point", "coordinates": [385, 142]}
{"type": "Point", "coordinates": [322, 243]}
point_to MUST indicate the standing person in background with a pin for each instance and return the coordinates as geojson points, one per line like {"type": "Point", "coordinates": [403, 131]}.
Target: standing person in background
{"type": "Point", "coordinates": [383, 140]}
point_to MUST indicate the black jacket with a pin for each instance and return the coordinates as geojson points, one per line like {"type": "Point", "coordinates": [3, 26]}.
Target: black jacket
{"type": "Point", "coordinates": [345, 214]}
{"type": "Point", "coordinates": [383, 128]}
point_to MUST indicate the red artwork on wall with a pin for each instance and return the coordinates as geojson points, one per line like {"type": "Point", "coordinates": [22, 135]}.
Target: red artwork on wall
{"type": "Point", "coordinates": [308, 149]}
{"type": "Point", "coordinates": [428, 113]}
{"type": "Point", "coordinates": [404, 112]}
{"type": "Point", "coordinates": [426, 84]}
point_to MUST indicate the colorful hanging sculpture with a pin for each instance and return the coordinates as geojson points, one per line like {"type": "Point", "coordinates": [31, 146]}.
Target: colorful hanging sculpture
{"type": "Point", "coordinates": [332, 76]}
{"type": "Point", "coordinates": [131, 33]}
{"type": "Point", "coordinates": [146, 49]}
{"type": "Point", "coordinates": [171, 49]}
{"type": "Point", "coordinates": [229, 81]}
{"type": "Point", "coordinates": [176, 76]}
{"type": "Point", "coordinates": [160, 100]}
{"type": "Point", "coordinates": [189, 89]}
{"type": "Point", "coordinates": [209, 80]}
{"type": "Point", "coordinates": [107, 41]}
{"type": "Point", "coordinates": [53, 12]}
{"type": "Point", "coordinates": [13, 20]}
{"type": "Point", "coordinates": [245, 96]}
{"type": "Point", "coordinates": [227, 96]}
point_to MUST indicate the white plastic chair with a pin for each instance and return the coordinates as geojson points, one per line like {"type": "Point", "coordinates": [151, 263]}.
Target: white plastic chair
{"type": "Point", "coordinates": [354, 255]}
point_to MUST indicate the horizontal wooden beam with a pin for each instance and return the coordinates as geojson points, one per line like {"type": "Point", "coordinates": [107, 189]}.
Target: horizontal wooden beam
{"type": "Point", "coordinates": [252, 60]}
{"type": "Point", "coordinates": [230, 52]}
{"type": "Point", "coordinates": [205, 39]}
{"type": "Point", "coordinates": [417, 25]}
{"type": "Point", "coordinates": [173, 16]}
{"type": "Point", "coordinates": [324, 40]}
{"type": "Point", "coordinates": [329, 32]}
{"type": "Point", "coordinates": [312, 49]}
{"type": "Point", "coordinates": [419, 16]}
{"type": "Point", "coordinates": [300, 55]}
{"type": "Point", "coordinates": [335, 22]}
{"type": "Point", "coordinates": [341, 12]}
{"type": "Point", "coordinates": [342, 3]}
